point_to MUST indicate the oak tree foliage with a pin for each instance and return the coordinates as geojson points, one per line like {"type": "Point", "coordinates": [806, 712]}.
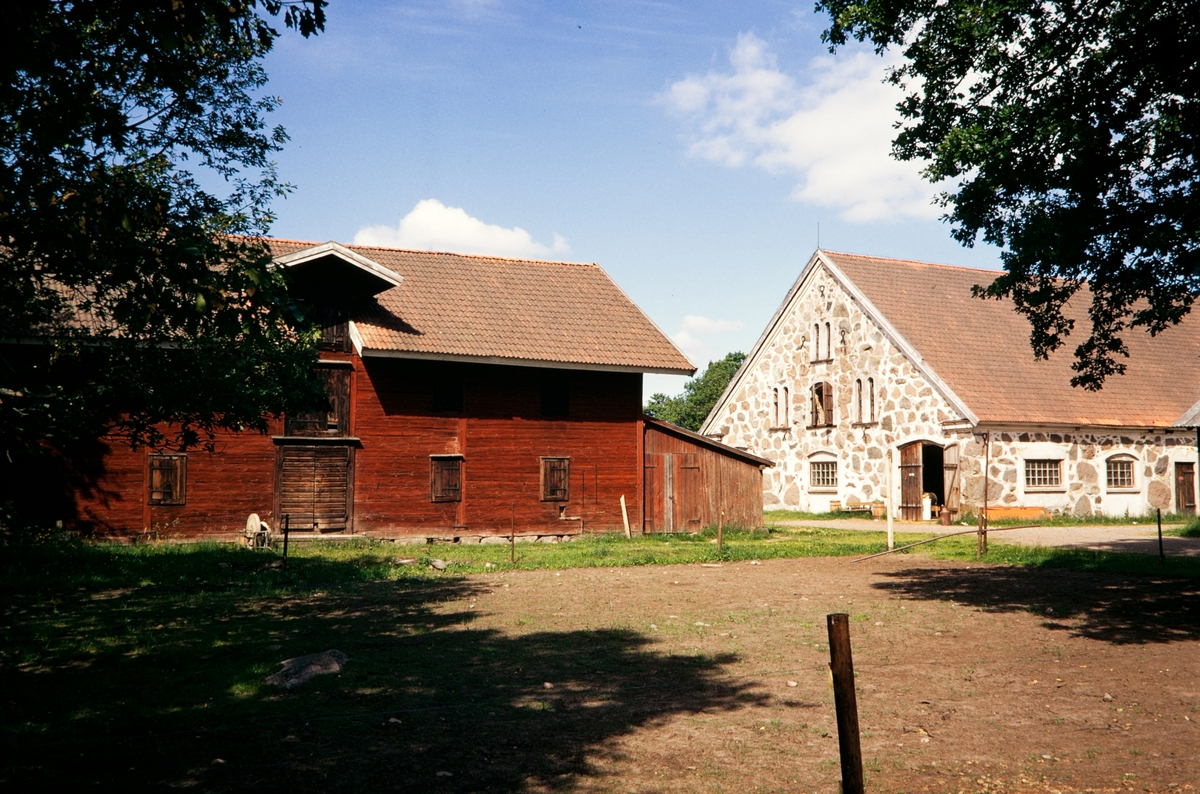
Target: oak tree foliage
{"type": "Point", "coordinates": [700, 394]}
{"type": "Point", "coordinates": [135, 187]}
{"type": "Point", "coordinates": [1068, 133]}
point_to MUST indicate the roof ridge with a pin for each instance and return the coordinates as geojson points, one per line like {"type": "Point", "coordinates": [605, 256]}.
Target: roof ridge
{"type": "Point", "coordinates": [286, 240]}
{"type": "Point", "coordinates": [473, 256]}
{"type": "Point", "coordinates": [911, 261]}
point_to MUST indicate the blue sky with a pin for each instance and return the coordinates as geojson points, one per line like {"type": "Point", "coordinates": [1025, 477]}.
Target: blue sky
{"type": "Point", "coordinates": [691, 149]}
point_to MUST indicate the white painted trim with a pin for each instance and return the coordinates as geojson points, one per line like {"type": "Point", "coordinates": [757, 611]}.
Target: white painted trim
{"type": "Point", "coordinates": [356, 338]}
{"type": "Point", "coordinates": [367, 352]}
{"type": "Point", "coordinates": [342, 252]}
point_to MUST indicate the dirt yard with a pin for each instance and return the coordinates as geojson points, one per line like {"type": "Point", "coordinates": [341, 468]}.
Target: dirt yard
{"type": "Point", "coordinates": [662, 678]}
{"type": "Point", "coordinates": [970, 678]}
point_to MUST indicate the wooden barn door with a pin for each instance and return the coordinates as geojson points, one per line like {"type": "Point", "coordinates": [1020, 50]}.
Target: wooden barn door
{"type": "Point", "coordinates": [656, 478]}
{"type": "Point", "coordinates": [910, 481]}
{"type": "Point", "coordinates": [314, 486]}
{"type": "Point", "coordinates": [952, 492]}
{"type": "Point", "coordinates": [1185, 488]}
{"type": "Point", "coordinates": [688, 492]}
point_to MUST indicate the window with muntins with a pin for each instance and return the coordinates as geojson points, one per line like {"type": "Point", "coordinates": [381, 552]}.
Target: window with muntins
{"type": "Point", "coordinates": [1120, 473]}
{"type": "Point", "coordinates": [556, 479]}
{"type": "Point", "coordinates": [822, 405]}
{"type": "Point", "coordinates": [445, 479]}
{"type": "Point", "coordinates": [1043, 473]}
{"type": "Point", "coordinates": [823, 474]}
{"type": "Point", "coordinates": [168, 479]}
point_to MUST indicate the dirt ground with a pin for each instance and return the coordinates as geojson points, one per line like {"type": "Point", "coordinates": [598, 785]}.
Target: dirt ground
{"type": "Point", "coordinates": [692, 678]}
{"type": "Point", "coordinates": [970, 678]}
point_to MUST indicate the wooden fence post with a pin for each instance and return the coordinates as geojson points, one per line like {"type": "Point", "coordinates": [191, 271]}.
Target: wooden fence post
{"type": "Point", "coordinates": [841, 665]}
{"type": "Point", "coordinates": [1162, 555]}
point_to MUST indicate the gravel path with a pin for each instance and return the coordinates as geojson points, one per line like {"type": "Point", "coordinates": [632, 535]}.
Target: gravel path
{"type": "Point", "coordinates": [1134, 538]}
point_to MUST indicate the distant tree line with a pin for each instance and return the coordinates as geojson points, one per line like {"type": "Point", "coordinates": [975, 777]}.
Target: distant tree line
{"type": "Point", "coordinates": [700, 394]}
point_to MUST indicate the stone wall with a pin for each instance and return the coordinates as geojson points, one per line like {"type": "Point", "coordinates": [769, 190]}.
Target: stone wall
{"type": "Point", "coordinates": [909, 408]}
{"type": "Point", "coordinates": [1084, 458]}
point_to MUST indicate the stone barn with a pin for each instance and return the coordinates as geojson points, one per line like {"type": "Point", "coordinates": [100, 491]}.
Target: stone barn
{"type": "Point", "coordinates": [881, 378]}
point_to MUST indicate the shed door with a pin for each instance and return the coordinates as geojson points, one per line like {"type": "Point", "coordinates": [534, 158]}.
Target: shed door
{"type": "Point", "coordinates": [950, 478]}
{"type": "Point", "coordinates": [1185, 488]}
{"type": "Point", "coordinates": [314, 486]}
{"type": "Point", "coordinates": [655, 497]}
{"type": "Point", "coordinates": [689, 492]}
{"type": "Point", "coordinates": [910, 481]}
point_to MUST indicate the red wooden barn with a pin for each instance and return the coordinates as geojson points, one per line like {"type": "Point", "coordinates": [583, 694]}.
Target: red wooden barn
{"type": "Point", "coordinates": [470, 397]}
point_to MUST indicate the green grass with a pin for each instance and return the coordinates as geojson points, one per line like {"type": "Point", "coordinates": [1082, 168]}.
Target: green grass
{"type": "Point", "coordinates": [1074, 521]}
{"type": "Point", "coordinates": [971, 519]}
{"type": "Point", "coordinates": [1189, 530]}
{"type": "Point", "coordinates": [799, 515]}
{"type": "Point", "coordinates": [963, 548]}
{"type": "Point", "coordinates": [203, 566]}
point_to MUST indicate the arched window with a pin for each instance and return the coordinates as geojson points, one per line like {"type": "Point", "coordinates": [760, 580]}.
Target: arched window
{"type": "Point", "coordinates": [787, 408]}
{"type": "Point", "coordinates": [871, 391]}
{"type": "Point", "coordinates": [858, 400]}
{"type": "Point", "coordinates": [775, 412]}
{"type": "Point", "coordinates": [822, 405]}
{"type": "Point", "coordinates": [816, 350]}
{"type": "Point", "coordinates": [828, 342]}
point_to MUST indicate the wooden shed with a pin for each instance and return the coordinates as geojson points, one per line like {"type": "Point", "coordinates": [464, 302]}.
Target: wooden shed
{"type": "Point", "coordinates": [690, 480]}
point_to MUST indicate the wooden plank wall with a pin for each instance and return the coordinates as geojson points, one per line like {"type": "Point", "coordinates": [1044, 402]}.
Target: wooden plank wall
{"type": "Point", "coordinates": [223, 487]}
{"type": "Point", "coordinates": [502, 437]}
{"type": "Point", "coordinates": [500, 433]}
{"type": "Point", "coordinates": [727, 483]}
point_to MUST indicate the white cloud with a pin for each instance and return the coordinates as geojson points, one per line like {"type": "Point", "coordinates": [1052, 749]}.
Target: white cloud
{"type": "Point", "coordinates": [691, 340]}
{"type": "Point", "coordinates": [697, 323]}
{"type": "Point", "coordinates": [432, 226]}
{"type": "Point", "coordinates": [834, 131]}
{"type": "Point", "coordinates": [692, 333]}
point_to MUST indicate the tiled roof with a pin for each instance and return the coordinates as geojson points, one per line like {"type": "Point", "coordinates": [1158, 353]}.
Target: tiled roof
{"type": "Point", "coordinates": [980, 349]}
{"type": "Point", "coordinates": [1190, 418]}
{"type": "Point", "coordinates": [506, 310]}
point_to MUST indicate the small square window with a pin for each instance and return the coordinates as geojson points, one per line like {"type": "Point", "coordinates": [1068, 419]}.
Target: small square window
{"type": "Point", "coordinates": [168, 479]}
{"type": "Point", "coordinates": [445, 479]}
{"type": "Point", "coordinates": [556, 479]}
{"type": "Point", "coordinates": [1043, 473]}
{"type": "Point", "coordinates": [823, 474]}
{"type": "Point", "coordinates": [1120, 474]}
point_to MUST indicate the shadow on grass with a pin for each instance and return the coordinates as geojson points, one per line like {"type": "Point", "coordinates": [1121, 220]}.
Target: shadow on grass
{"type": "Point", "coordinates": [160, 684]}
{"type": "Point", "coordinates": [1110, 607]}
